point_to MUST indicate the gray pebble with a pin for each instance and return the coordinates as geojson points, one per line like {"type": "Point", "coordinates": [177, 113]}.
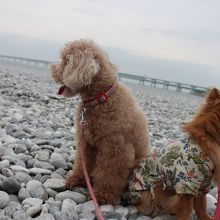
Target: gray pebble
{"type": "Point", "coordinates": [17, 168]}
{"type": "Point", "coordinates": [32, 202]}
{"type": "Point", "coordinates": [33, 210]}
{"type": "Point", "coordinates": [44, 165]}
{"type": "Point", "coordinates": [58, 161]}
{"type": "Point", "coordinates": [56, 184]}
{"type": "Point", "coordinates": [68, 209]}
{"type": "Point", "coordinates": [22, 177]}
{"type": "Point", "coordinates": [4, 199]}
{"type": "Point", "coordinates": [11, 185]}
{"type": "Point", "coordinates": [24, 194]}
{"type": "Point", "coordinates": [88, 206]}
{"type": "Point", "coordinates": [11, 208]}
{"type": "Point", "coordinates": [40, 171]}
{"type": "Point", "coordinates": [4, 163]}
{"type": "Point", "coordinates": [20, 215]}
{"type": "Point", "coordinates": [37, 190]}
{"type": "Point", "coordinates": [42, 155]}
{"type": "Point", "coordinates": [20, 148]}
{"type": "Point", "coordinates": [75, 196]}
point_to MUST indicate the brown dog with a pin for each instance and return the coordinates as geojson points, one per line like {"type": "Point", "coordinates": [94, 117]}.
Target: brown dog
{"type": "Point", "coordinates": [116, 135]}
{"type": "Point", "coordinates": [176, 177]}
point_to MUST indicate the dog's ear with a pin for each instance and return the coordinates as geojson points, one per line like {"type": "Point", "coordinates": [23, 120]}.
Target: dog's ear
{"type": "Point", "coordinates": [213, 95]}
{"type": "Point", "coordinates": [54, 72]}
{"type": "Point", "coordinates": [86, 68]}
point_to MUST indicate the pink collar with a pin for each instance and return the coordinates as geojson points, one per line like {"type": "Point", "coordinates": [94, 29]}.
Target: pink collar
{"type": "Point", "coordinates": [102, 97]}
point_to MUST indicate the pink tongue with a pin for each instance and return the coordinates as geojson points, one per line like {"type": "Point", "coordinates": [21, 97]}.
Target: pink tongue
{"type": "Point", "coordinates": [61, 90]}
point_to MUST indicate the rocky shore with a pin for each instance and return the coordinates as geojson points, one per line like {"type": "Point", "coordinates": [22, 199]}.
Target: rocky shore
{"type": "Point", "coordinates": [37, 146]}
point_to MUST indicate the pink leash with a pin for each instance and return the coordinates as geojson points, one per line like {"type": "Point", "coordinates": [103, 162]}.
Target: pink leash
{"type": "Point", "coordinates": [82, 149]}
{"type": "Point", "coordinates": [217, 211]}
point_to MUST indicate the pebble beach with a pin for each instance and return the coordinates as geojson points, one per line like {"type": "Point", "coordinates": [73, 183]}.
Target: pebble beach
{"type": "Point", "coordinates": [37, 147]}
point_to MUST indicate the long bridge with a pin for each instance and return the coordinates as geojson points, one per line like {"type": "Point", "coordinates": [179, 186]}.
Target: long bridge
{"type": "Point", "coordinates": [154, 82]}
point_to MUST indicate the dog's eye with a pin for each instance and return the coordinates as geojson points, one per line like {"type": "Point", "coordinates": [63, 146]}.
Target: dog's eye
{"type": "Point", "coordinates": [67, 57]}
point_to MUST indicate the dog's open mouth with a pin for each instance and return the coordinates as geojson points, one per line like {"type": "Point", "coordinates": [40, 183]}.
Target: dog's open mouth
{"type": "Point", "coordinates": [61, 90]}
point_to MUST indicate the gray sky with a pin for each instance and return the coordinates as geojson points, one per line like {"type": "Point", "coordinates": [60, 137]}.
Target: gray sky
{"type": "Point", "coordinates": [169, 39]}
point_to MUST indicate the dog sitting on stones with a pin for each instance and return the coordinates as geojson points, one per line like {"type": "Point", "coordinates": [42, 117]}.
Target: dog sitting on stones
{"type": "Point", "coordinates": [116, 135]}
{"type": "Point", "coordinates": [175, 178]}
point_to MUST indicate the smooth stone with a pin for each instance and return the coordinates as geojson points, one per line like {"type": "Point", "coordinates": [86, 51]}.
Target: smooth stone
{"type": "Point", "coordinates": [30, 163]}
{"type": "Point", "coordinates": [8, 151]}
{"type": "Point", "coordinates": [132, 210]}
{"type": "Point", "coordinates": [75, 196]}
{"type": "Point", "coordinates": [14, 198]}
{"type": "Point", "coordinates": [24, 194]}
{"type": "Point", "coordinates": [44, 165]}
{"type": "Point", "coordinates": [87, 216]}
{"type": "Point", "coordinates": [20, 148]}
{"type": "Point", "coordinates": [37, 190]}
{"type": "Point", "coordinates": [143, 218]}
{"type": "Point", "coordinates": [3, 217]}
{"type": "Point", "coordinates": [4, 199]}
{"type": "Point", "coordinates": [53, 206]}
{"type": "Point", "coordinates": [59, 216]}
{"type": "Point", "coordinates": [58, 161]}
{"type": "Point", "coordinates": [51, 193]}
{"type": "Point", "coordinates": [33, 210]}
{"type": "Point", "coordinates": [56, 184]}
{"type": "Point", "coordinates": [7, 172]}
{"type": "Point", "coordinates": [55, 143]}
{"type": "Point", "coordinates": [56, 176]}
{"type": "Point", "coordinates": [107, 208]}
{"type": "Point", "coordinates": [44, 178]}
{"type": "Point", "coordinates": [11, 159]}
{"type": "Point", "coordinates": [42, 142]}
{"type": "Point", "coordinates": [4, 164]}
{"type": "Point", "coordinates": [72, 157]}
{"type": "Point", "coordinates": [40, 171]}
{"type": "Point", "coordinates": [42, 155]}
{"type": "Point", "coordinates": [11, 208]}
{"type": "Point", "coordinates": [11, 185]}
{"type": "Point", "coordinates": [61, 172]}
{"type": "Point", "coordinates": [17, 168]}
{"type": "Point", "coordinates": [68, 209]}
{"type": "Point", "coordinates": [32, 202]}
{"type": "Point", "coordinates": [123, 211]}
{"type": "Point", "coordinates": [88, 206]}
{"type": "Point", "coordinates": [22, 177]}
{"type": "Point", "coordinates": [20, 163]}
{"type": "Point", "coordinates": [20, 215]}
{"type": "Point", "coordinates": [24, 157]}
{"type": "Point", "coordinates": [46, 216]}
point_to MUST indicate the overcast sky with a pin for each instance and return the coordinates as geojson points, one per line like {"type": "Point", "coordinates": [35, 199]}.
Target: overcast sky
{"type": "Point", "coordinates": [169, 39]}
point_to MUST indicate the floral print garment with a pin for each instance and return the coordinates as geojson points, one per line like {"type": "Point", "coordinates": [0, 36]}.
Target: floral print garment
{"type": "Point", "coordinates": [178, 165]}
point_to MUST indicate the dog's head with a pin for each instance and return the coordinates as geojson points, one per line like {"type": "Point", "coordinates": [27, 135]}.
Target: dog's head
{"type": "Point", "coordinates": [81, 62]}
{"type": "Point", "coordinates": [205, 127]}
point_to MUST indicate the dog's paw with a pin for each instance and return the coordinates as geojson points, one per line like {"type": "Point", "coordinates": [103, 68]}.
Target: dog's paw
{"type": "Point", "coordinates": [74, 180]}
{"type": "Point", "coordinates": [106, 198]}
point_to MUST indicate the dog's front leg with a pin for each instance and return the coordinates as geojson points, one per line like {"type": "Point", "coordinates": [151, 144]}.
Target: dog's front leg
{"type": "Point", "coordinates": [200, 206]}
{"type": "Point", "coordinates": [114, 159]}
{"type": "Point", "coordinates": [76, 176]}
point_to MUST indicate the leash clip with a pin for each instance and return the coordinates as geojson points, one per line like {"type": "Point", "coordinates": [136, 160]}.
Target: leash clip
{"type": "Point", "coordinates": [83, 120]}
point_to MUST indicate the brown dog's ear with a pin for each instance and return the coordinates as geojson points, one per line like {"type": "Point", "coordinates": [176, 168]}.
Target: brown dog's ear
{"type": "Point", "coordinates": [213, 95]}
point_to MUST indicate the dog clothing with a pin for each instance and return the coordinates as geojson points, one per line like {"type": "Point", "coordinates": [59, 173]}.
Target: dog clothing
{"type": "Point", "coordinates": [178, 165]}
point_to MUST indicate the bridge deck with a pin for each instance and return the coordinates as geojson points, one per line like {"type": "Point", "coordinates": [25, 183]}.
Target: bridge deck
{"type": "Point", "coordinates": [142, 79]}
